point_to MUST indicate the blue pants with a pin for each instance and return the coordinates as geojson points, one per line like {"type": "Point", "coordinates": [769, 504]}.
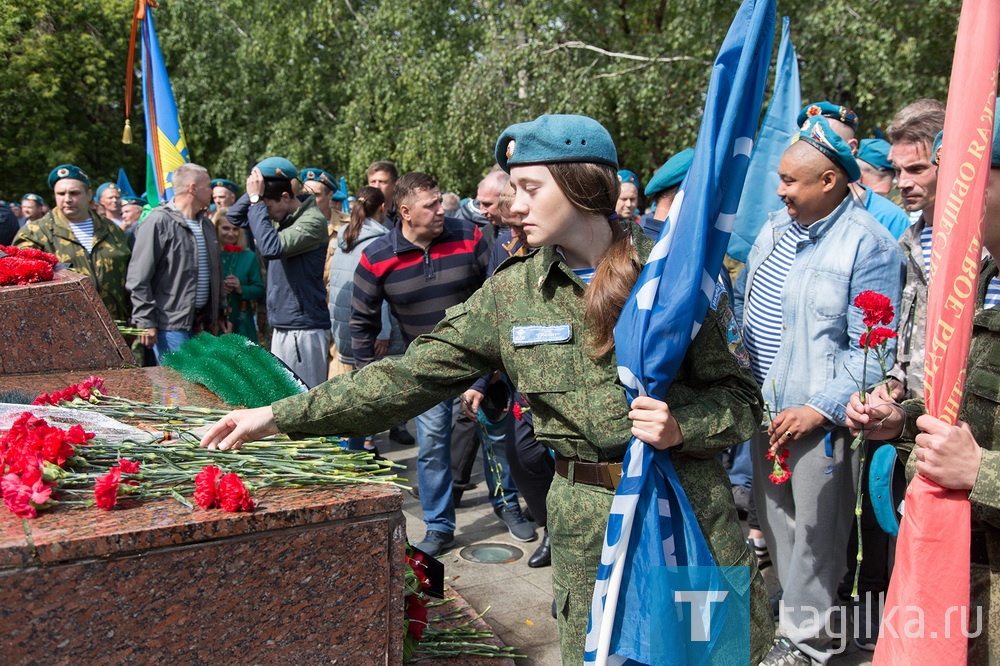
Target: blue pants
{"type": "Point", "coordinates": [741, 473]}
{"type": "Point", "coordinates": [494, 446]}
{"type": "Point", "coordinates": [434, 467]}
{"type": "Point", "coordinates": [168, 341]}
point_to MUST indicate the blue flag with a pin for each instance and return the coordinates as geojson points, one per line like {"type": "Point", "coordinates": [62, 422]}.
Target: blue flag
{"type": "Point", "coordinates": [345, 205]}
{"type": "Point", "coordinates": [124, 186]}
{"type": "Point", "coordinates": [166, 148]}
{"type": "Point", "coordinates": [760, 194]}
{"type": "Point", "coordinates": [652, 528]}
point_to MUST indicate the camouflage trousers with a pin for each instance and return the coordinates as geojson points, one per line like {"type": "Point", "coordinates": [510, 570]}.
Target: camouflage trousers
{"type": "Point", "coordinates": [577, 520]}
{"type": "Point", "coordinates": [984, 647]}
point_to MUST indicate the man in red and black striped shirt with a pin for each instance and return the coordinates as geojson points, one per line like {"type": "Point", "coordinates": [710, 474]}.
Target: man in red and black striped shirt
{"type": "Point", "coordinates": [424, 265]}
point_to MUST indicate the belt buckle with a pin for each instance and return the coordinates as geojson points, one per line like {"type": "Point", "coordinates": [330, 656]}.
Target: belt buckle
{"type": "Point", "coordinates": [614, 471]}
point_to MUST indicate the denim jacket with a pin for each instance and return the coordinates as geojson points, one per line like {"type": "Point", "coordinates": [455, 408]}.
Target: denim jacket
{"type": "Point", "coordinates": [819, 362]}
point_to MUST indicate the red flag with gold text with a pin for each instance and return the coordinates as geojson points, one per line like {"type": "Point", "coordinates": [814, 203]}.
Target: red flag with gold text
{"type": "Point", "coordinates": [929, 593]}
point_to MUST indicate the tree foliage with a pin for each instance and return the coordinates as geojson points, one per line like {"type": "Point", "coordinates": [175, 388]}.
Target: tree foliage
{"type": "Point", "coordinates": [426, 83]}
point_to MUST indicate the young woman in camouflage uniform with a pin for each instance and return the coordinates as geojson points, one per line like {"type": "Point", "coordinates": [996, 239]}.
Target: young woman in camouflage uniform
{"type": "Point", "coordinates": [547, 321]}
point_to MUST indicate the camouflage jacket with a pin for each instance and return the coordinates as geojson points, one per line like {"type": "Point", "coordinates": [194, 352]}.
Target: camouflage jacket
{"type": "Point", "coordinates": [909, 368]}
{"type": "Point", "coordinates": [980, 409]}
{"type": "Point", "coordinates": [106, 265]}
{"type": "Point", "coordinates": [528, 321]}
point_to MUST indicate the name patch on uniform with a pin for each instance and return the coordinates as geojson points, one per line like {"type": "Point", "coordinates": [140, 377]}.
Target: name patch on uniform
{"type": "Point", "coordinates": [539, 334]}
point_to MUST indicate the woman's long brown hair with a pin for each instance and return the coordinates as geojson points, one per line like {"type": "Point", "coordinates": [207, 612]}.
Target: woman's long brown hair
{"type": "Point", "coordinates": [593, 189]}
{"type": "Point", "coordinates": [367, 204]}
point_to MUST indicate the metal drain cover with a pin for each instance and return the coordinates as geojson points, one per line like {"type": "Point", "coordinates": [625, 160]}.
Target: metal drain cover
{"type": "Point", "coordinates": [491, 553]}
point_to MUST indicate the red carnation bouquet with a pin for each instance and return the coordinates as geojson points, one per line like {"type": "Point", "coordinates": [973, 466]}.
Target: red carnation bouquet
{"type": "Point", "coordinates": [25, 265]}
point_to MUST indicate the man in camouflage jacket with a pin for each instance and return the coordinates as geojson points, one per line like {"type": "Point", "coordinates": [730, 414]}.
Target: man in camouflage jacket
{"type": "Point", "coordinates": [105, 263]}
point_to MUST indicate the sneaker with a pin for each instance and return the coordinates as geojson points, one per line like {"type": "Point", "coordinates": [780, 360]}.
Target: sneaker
{"type": "Point", "coordinates": [435, 542]}
{"type": "Point", "coordinates": [519, 528]}
{"type": "Point", "coordinates": [401, 435]}
{"type": "Point", "coordinates": [784, 653]}
{"type": "Point", "coordinates": [867, 628]}
{"type": "Point", "coordinates": [759, 548]}
{"type": "Point", "coordinates": [741, 495]}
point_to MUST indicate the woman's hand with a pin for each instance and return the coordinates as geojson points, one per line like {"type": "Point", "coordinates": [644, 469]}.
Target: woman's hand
{"type": "Point", "coordinates": [243, 425]}
{"type": "Point", "coordinates": [880, 417]}
{"type": "Point", "coordinates": [232, 283]}
{"type": "Point", "coordinates": [653, 423]}
{"type": "Point", "coordinates": [792, 424]}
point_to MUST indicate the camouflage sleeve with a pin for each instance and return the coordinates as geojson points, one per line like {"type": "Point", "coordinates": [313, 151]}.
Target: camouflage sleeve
{"type": "Point", "coordinates": [717, 403]}
{"type": "Point", "coordinates": [436, 366]}
{"type": "Point", "coordinates": [32, 235]}
{"type": "Point", "coordinates": [986, 490]}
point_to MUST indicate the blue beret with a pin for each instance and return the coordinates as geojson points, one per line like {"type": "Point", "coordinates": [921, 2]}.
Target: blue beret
{"type": "Point", "coordinates": [101, 188]}
{"type": "Point", "coordinates": [876, 153]}
{"type": "Point", "coordinates": [133, 200]}
{"type": "Point", "coordinates": [556, 138]}
{"type": "Point", "coordinates": [33, 197]}
{"type": "Point", "coordinates": [671, 173]}
{"type": "Point", "coordinates": [936, 148]}
{"type": "Point", "coordinates": [829, 110]}
{"type": "Point", "coordinates": [228, 184]}
{"type": "Point", "coordinates": [320, 176]}
{"type": "Point", "coordinates": [818, 134]}
{"type": "Point", "coordinates": [277, 167]}
{"type": "Point", "coordinates": [626, 176]}
{"type": "Point", "coordinates": [68, 171]}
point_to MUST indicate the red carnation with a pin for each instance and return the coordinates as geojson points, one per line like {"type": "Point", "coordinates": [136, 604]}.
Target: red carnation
{"type": "Point", "coordinates": [877, 308]}
{"type": "Point", "coordinates": [128, 467]}
{"type": "Point", "coordinates": [878, 336]}
{"type": "Point", "coordinates": [518, 414]}
{"type": "Point", "coordinates": [416, 614]}
{"type": "Point", "coordinates": [233, 495]}
{"type": "Point", "coordinates": [106, 489]}
{"type": "Point", "coordinates": [17, 496]}
{"type": "Point", "coordinates": [205, 484]}
{"type": "Point", "coordinates": [231, 247]}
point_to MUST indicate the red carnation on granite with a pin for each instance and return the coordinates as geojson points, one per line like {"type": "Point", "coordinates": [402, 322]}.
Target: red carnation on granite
{"type": "Point", "coordinates": [416, 615]}
{"type": "Point", "coordinates": [106, 489]}
{"type": "Point", "coordinates": [877, 308]}
{"type": "Point", "coordinates": [17, 271]}
{"type": "Point", "coordinates": [205, 485]}
{"type": "Point", "coordinates": [233, 495]}
{"type": "Point", "coordinates": [32, 253]}
{"type": "Point", "coordinates": [23, 499]}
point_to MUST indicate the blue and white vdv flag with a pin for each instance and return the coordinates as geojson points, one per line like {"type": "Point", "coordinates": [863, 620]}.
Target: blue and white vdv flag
{"type": "Point", "coordinates": [777, 132]}
{"type": "Point", "coordinates": [652, 527]}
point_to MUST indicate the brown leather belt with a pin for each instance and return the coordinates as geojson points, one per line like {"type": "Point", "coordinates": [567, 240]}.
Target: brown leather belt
{"type": "Point", "coordinates": [602, 474]}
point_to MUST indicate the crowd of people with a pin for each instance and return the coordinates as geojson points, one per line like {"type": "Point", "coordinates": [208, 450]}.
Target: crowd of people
{"type": "Point", "coordinates": [489, 320]}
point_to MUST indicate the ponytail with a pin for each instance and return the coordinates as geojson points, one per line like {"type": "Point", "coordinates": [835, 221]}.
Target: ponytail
{"type": "Point", "coordinates": [369, 200]}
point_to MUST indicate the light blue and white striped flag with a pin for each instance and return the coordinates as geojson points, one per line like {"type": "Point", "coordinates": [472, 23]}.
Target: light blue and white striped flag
{"type": "Point", "coordinates": [652, 525]}
{"type": "Point", "coordinates": [777, 132]}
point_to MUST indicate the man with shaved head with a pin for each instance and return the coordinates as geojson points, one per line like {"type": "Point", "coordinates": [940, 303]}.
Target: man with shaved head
{"type": "Point", "coordinates": [795, 299]}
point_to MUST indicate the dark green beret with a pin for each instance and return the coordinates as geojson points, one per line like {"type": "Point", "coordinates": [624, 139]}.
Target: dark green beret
{"type": "Point", "coordinates": [68, 171]}
{"type": "Point", "coordinates": [876, 153]}
{"type": "Point", "coordinates": [671, 173]}
{"type": "Point", "coordinates": [228, 184]}
{"type": "Point", "coordinates": [33, 197]}
{"type": "Point", "coordinates": [277, 167]}
{"type": "Point", "coordinates": [818, 134]}
{"type": "Point", "coordinates": [556, 138]}
{"type": "Point", "coordinates": [829, 110]}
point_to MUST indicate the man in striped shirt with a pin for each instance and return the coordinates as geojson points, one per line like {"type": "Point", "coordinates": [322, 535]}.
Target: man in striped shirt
{"type": "Point", "coordinates": [175, 275]}
{"type": "Point", "coordinates": [802, 275]}
{"type": "Point", "coordinates": [426, 264]}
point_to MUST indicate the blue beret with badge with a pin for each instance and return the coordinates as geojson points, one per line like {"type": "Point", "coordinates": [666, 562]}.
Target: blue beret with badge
{"type": "Point", "coordinates": [101, 188]}
{"type": "Point", "coordinates": [277, 167]}
{"type": "Point", "coordinates": [324, 177]}
{"type": "Point", "coordinates": [828, 110]}
{"type": "Point", "coordinates": [876, 153]}
{"type": "Point", "coordinates": [994, 158]}
{"type": "Point", "coordinates": [33, 197]}
{"type": "Point", "coordinates": [671, 173]}
{"type": "Point", "coordinates": [68, 171]}
{"type": "Point", "coordinates": [818, 134]}
{"type": "Point", "coordinates": [133, 200]}
{"type": "Point", "coordinates": [556, 138]}
{"type": "Point", "coordinates": [228, 184]}
{"type": "Point", "coordinates": [626, 176]}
